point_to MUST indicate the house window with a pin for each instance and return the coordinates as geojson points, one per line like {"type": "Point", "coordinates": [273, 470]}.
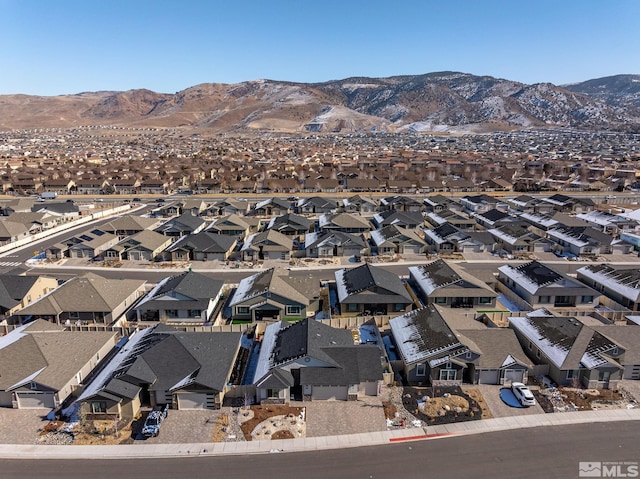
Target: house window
{"type": "Point", "coordinates": [484, 300]}
{"type": "Point", "coordinates": [398, 307]}
{"type": "Point", "coordinates": [242, 309]}
{"type": "Point", "coordinates": [421, 369]}
{"type": "Point", "coordinates": [98, 407]}
{"type": "Point", "coordinates": [538, 354]}
{"type": "Point", "coordinates": [352, 307]}
{"type": "Point", "coordinates": [172, 313]}
{"type": "Point", "coordinates": [468, 355]}
{"type": "Point", "coordinates": [587, 299]}
{"type": "Point", "coordinates": [447, 375]}
{"type": "Point", "coordinates": [544, 299]}
{"type": "Point", "coordinates": [194, 313]}
{"type": "Point", "coordinates": [74, 315]}
{"type": "Point", "coordinates": [604, 376]}
{"type": "Point", "coordinates": [292, 310]}
{"type": "Point", "coordinates": [572, 373]}
{"type": "Point", "coordinates": [273, 393]}
{"type": "Point", "coordinates": [440, 300]}
{"type": "Point", "coordinates": [33, 386]}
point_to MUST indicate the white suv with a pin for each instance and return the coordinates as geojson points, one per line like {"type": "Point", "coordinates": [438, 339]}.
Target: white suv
{"type": "Point", "coordinates": [523, 394]}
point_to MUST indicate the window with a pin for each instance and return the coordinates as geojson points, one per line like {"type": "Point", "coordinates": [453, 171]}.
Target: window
{"type": "Point", "coordinates": [530, 346]}
{"type": "Point", "coordinates": [352, 307]}
{"type": "Point", "coordinates": [447, 375]}
{"type": "Point", "coordinates": [544, 299]}
{"type": "Point", "coordinates": [74, 315]}
{"type": "Point", "coordinates": [587, 299]}
{"type": "Point", "coordinates": [33, 386]}
{"type": "Point", "coordinates": [242, 309]}
{"type": "Point", "coordinates": [273, 393]}
{"type": "Point", "coordinates": [468, 355]}
{"type": "Point", "coordinates": [194, 313]}
{"type": "Point", "coordinates": [172, 313]}
{"type": "Point", "coordinates": [604, 376]}
{"type": "Point", "coordinates": [398, 307]}
{"type": "Point", "coordinates": [572, 373]}
{"type": "Point", "coordinates": [538, 354]}
{"type": "Point", "coordinates": [484, 300]}
{"type": "Point", "coordinates": [292, 310]}
{"type": "Point", "coordinates": [421, 369]}
{"type": "Point", "coordinates": [440, 300]}
{"type": "Point", "coordinates": [98, 407]}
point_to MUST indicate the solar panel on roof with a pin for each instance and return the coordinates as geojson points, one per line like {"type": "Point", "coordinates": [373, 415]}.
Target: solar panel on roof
{"type": "Point", "coordinates": [97, 232]}
{"type": "Point", "coordinates": [86, 237]}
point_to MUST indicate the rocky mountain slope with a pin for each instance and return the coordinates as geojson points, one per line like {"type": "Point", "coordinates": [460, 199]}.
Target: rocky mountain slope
{"type": "Point", "coordinates": [443, 101]}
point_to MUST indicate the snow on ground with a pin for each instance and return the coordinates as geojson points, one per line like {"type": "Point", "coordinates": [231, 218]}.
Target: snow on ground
{"type": "Point", "coordinates": [508, 304]}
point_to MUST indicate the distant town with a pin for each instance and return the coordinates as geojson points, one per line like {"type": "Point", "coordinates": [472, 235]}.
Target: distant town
{"type": "Point", "coordinates": [167, 286]}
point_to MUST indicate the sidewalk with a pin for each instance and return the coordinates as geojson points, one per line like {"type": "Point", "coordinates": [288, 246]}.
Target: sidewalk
{"type": "Point", "coordinates": [315, 443]}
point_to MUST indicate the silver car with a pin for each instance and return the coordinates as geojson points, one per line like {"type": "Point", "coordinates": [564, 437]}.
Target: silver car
{"type": "Point", "coordinates": [523, 394]}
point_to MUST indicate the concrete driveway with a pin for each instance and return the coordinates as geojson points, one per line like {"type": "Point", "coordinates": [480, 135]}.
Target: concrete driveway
{"type": "Point", "coordinates": [498, 408]}
{"type": "Point", "coordinates": [21, 426]}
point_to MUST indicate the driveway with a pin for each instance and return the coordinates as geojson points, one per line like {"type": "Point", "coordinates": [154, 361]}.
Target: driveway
{"type": "Point", "coordinates": [498, 408]}
{"type": "Point", "coordinates": [185, 427]}
{"type": "Point", "coordinates": [21, 426]}
{"type": "Point", "coordinates": [330, 418]}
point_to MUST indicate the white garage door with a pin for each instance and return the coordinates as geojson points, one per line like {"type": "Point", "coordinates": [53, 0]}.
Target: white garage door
{"type": "Point", "coordinates": [511, 375]}
{"type": "Point", "coordinates": [35, 400]}
{"type": "Point", "coordinates": [192, 401]}
{"type": "Point", "coordinates": [324, 393]}
{"type": "Point", "coordinates": [488, 376]}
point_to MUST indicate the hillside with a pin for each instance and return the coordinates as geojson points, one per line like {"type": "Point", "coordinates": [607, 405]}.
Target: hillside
{"type": "Point", "coordinates": [442, 101]}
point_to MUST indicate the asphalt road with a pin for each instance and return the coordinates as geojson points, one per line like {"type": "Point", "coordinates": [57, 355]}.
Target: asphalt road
{"type": "Point", "coordinates": [545, 452]}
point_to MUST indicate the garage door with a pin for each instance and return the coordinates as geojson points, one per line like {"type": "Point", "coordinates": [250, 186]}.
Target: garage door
{"type": "Point", "coordinates": [35, 400]}
{"type": "Point", "coordinates": [324, 393]}
{"type": "Point", "coordinates": [192, 401]}
{"type": "Point", "coordinates": [488, 376]}
{"type": "Point", "coordinates": [511, 375]}
{"type": "Point", "coordinates": [134, 255]}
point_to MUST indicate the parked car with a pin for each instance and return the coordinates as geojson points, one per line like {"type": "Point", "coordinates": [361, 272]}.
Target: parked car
{"type": "Point", "coordinates": [137, 200]}
{"type": "Point", "coordinates": [154, 420]}
{"type": "Point", "coordinates": [523, 394]}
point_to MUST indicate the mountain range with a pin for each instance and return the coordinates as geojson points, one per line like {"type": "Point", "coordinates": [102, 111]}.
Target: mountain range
{"type": "Point", "coordinates": [438, 102]}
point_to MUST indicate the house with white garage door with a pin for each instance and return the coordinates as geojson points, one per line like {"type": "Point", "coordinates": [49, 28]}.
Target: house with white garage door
{"type": "Point", "coordinates": [41, 364]}
{"type": "Point", "coordinates": [161, 365]}
{"type": "Point", "coordinates": [309, 360]}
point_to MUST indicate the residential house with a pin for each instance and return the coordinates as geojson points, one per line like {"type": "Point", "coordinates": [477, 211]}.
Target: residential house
{"type": "Point", "coordinates": [38, 370]}
{"type": "Point", "coordinates": [622, 284]}
{"type": "Point", "coordinates": [185, 298]}
{"type": "Point", "coordinates": [272, 207]}
{"type": "Point", "coordinates": [344, 222]}
{"type": "Point", "coordinates": [411, 220]}
{"type": "Point", "coordinates": [492, 218]}
{"type": "Point", "coordinates": [202, 246]}
{"type": "Point", "coordinates": [160, 365]}
{"type": "Point", "coordinates": [290, 225]}
{"type": "Point", "coordinates": [401, 203]}
{"type": "Point", "coordinates": [371, 290]}
{"type": "Point", "coordinates": [316, 205]}
{"type": "Point", "coordinates": [607, 222]}
{"type": "Point", "coordinates": [360, 204]}
{"type": "Point", "coordinates": [586, 241]}
{"type": "Point", "coordinates": [145, 245]}
{"type": "Point", "coordinates": [309, 360]}
{"type": "Point", "coordinates": [273, 294]}
{"type": "Point", "coordinates": [575, 354]}
{"type": "Point", "coordinates": [458, 220]}
{"type": "Point", "coordinates": [570, 204]}
{"type": "Point", "coordinates": [446, 238]}
{"type": "Point", "coordinates": [233, 225]}
{"type": "Point", "coordinates": [446, 284]}
{"type": "Point", "coordinates": [128, 225]}
{"type": "Point", "coordinates": [268, 244]}
{"type": "Point", "coordinates": [329, 244]}
{"type": "Point", "coordinates": [17, 291]}
{"type": "Point", "coordinates": [393, 239]}
{"type": "Point", "coordinates": [516, 237]}
{"type": "Point", "coordinates": [543, 287]}
{"type": "Point", "coordinates": [183, 225]}
{"type": "Point", "coordinates": [88, 299]}
{"type": "Point", "coordinates": [93, 245]}
{"type": "Point", "coordinates": [228, 207]}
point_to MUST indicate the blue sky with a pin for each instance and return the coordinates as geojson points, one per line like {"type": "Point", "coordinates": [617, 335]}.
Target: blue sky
{"type": "Point", "coordinates": [57, 47]}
